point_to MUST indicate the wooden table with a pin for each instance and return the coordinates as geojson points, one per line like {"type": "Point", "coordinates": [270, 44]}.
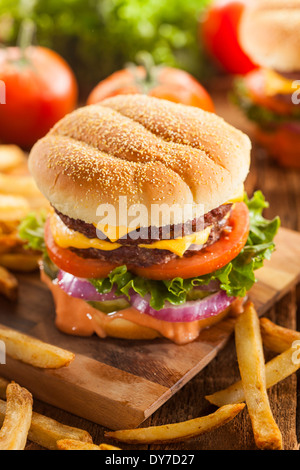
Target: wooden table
{"type": "Point", "coordinates": [282, 189]}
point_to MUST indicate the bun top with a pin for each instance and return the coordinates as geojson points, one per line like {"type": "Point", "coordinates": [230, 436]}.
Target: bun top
{"type": "Point", "coordinates": [150, 150]}
{"type": "Point", "coordinates": [270, 34]}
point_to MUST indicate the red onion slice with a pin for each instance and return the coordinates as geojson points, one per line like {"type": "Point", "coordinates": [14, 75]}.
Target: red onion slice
{"type": "Point", "coordinates": [187, 312]}
{"type": "Point", "coordinates": [82, 289]}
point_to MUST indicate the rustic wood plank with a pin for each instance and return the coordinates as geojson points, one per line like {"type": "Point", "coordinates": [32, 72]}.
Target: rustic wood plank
{"type": "Point", "coordinates": [92, 389]}
{"type": "Point", "coordinates": [222, 372]}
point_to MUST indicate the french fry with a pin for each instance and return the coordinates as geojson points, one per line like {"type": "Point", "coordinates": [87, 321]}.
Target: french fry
{"type": "Point", "coordinates": [275, 337]}
{"type": "Point", "coordinates": [3, 386]}
{"type": "Point", "coordinates": [21, 262]}
{"type": "Point", "coordinates": [277, 369]}
{"type": "Point", "coordinates": [8, 284]}
{"type": "Point", "coordinates": [13, 208]}
{"type": "Point", "coordinates": [9, 243]}
{"type": "Point", "coordinates": [9, 227]}
{"type": "Point", "coordinates": [251, 362]}
{"type": "Point", "coordinates": [108, 447]}
{"type": "Point", "coordinates": [14, 431]}
{"type": "Point", "coordinates": [9, 239]}
{"type": "Point", "coordinates": [19, 185]}
{"type": "Point", "coordinates": [72, 444]}
{"type": "Point", "coordinates": [33, 351]}
{"type": "Point", "coordinates": [46, 431]}
{"type": "Point", "coordinates": [177, 431]}
{"type": "Point", "coordinates": [11, 157]}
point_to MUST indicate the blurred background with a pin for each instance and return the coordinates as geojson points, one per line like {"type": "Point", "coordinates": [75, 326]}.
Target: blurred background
{"type": "Point", "coordinates": [86, 41]}
{"type": "Point", "coordinates": [97, 37]}
{"type": "Point", "coordinates": [56, 55]}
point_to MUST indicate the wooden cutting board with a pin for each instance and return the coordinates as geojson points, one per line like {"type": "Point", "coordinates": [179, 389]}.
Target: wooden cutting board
{"type": "Point", "coordinates": [119, 383]}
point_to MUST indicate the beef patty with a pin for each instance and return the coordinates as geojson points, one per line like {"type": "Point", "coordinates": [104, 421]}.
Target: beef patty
{"type": "Point", "coordinates": [131, 253]}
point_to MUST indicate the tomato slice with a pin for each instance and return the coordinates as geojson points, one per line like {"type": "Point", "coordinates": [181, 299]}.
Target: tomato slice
{"type": "Point", "coordinates": [71, 263]}
{"type": "Point", "coordinates": [209, 259]}
{"type": "Point", "coordinates": [203, 262]}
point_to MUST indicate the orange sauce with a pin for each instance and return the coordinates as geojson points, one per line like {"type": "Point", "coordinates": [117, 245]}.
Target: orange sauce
{"type": "Point", "coordinates": [76, 317]}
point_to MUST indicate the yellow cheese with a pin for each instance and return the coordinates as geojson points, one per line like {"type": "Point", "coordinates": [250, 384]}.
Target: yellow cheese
{"type": "Point", "coordinates": [65, 237]}
{"type": "Point", "coordinates": [276, 83]}
{"type": "Point", "coordinates": [114, 233]}
{"type": "Point", "coordinates": [180, 245]}
{"type": "Point", "coordinates": [238, 196]}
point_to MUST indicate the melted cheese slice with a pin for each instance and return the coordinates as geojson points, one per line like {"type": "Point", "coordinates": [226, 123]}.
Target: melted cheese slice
{"type": "Point", "coordinates": [114, 233]}
{"type": "Point", "coordinates": [65, 237]}
{"type": "Point", "coordinates": [275, 84]}
{"type": "Point", "coordinates": [180, 245]}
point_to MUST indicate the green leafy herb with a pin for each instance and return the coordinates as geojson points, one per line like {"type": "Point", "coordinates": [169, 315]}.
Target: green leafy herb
{"type": "Point", "coordinates": [98, 37]}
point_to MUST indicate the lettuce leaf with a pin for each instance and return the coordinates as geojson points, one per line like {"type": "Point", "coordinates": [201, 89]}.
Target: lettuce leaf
{"type": "Point", "coordinates": [31, 230]}
{"type": "Point", "coordinates": [236, 278]}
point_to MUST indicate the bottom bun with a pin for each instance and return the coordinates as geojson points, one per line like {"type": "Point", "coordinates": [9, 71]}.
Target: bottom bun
{"type": "Point", "coordinates": [283, 144]}
{"type": "Point", "coordinates": [125, 329]}
{"type": "Point", "coordinates": [76, 317]}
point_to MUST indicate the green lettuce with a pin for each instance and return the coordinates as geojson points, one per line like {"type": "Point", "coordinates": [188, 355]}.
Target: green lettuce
{"type": "Point", "coordinates": [31, 230]}
{"type": "Point", "coordinates": [236, 278]}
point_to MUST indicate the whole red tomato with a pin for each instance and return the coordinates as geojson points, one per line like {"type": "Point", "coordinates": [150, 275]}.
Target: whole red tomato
{"type": "Point", "coordinates": [219, 33]}
{"type": "Point", "coordinates": [40, 89]}
{"type": "Point", "coordinates": [162, 82]}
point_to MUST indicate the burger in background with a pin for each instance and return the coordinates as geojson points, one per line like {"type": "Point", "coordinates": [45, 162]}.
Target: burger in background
{"type": "Point", "coordinates": [270, 35]}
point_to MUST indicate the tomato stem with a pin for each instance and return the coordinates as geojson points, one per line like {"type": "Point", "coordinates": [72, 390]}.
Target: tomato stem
{"type": "Point", "coordinates": [25, 36]}
{"type": "Point", "coordinates": [145, 59]}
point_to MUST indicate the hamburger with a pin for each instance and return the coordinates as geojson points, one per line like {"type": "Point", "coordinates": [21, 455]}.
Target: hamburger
{"type": "Point", "coordinates": [150, 233]}
{"type": "Point", "coordinates": [270, 35]}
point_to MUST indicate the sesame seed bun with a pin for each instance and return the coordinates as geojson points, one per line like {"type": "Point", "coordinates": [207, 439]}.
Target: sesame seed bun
{"type": "Point", "coordinates": [152, 151]}
{"type": "Point", "coordinates": [270, 34]}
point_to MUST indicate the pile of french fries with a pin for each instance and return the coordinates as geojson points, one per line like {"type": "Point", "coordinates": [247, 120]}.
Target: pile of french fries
{"type": "Point", "coordinates": [18, 196]}
{"type": "Point", "coordinates": [251, 336]}
{"type": "Point", "coordinates": [20, 423]}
